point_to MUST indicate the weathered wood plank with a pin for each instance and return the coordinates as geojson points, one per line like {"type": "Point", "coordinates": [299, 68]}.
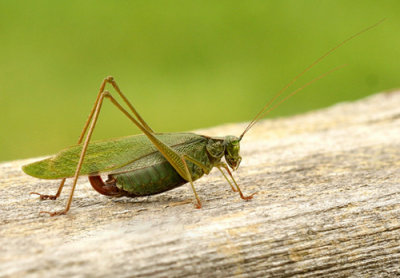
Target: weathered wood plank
{"type": "Point", "coordinates": [328, 205]}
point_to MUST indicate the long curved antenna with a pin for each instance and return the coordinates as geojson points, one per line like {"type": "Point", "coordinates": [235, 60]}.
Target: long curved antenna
{"type": "Point", "coordinates": [302, 87]}
{"type": "Point", "coordinates": [261, 113]}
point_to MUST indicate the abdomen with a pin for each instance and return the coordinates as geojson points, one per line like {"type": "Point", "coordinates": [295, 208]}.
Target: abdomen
{"type": "Point", "coordinates": [150, 180]}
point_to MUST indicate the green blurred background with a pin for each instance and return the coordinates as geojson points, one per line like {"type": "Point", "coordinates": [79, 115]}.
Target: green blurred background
{"type": "Point", "coordinates": [184, 64]}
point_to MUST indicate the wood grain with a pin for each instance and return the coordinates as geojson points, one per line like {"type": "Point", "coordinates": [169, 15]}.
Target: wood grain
{"type": "Point", "coordinates": [327, 205]}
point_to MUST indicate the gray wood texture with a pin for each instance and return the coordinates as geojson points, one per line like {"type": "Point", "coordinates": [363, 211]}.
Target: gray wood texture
{"type": "Point", "coordinates": [327, 205]}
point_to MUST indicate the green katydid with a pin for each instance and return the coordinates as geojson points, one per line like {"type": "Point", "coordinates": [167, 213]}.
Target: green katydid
{"type": "Point", "coordinates": [150, 163]}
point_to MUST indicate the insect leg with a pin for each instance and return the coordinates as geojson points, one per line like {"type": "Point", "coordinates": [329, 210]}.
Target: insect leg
{"type": "Point", "coordinates": [207, 171]}
{"type": "Point", "coordinates": [94, 118]}
{"type": "Point", "coordinates": [230, 183]}
{"type": "Point", "coordinates": [198, 163]}
{"type": "Point", "coordinates": [51, 197]}
{"type": "Point", "coordinates": [198, 205]}
{"type": "Point", "coordinates": [83, 132]}
{"type": "Point", "coordinates": [223, 165]}
{"type": "Point", "coordinates": [106, 80]}
{"type": "Point", "coordinates": [111, 80]}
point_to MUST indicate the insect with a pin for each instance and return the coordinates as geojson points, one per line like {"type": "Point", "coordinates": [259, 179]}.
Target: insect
{"type": "Point", "coordinates": [150, 163]}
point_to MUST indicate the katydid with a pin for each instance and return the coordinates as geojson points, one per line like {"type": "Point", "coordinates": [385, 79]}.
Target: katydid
{"type": "Point", "coordinates": [150, 163]}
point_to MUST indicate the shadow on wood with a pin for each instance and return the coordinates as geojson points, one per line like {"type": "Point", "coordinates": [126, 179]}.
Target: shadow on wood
{"type": "Point", "coordinates": [327, 205]}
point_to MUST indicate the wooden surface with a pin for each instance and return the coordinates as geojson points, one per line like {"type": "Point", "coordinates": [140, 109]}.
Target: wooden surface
{"type": "Point", "coordinates": [327, 205]}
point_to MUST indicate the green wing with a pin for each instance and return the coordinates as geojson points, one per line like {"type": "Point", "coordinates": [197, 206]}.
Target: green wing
{"type": "Point", "coordinates": [104, 156]}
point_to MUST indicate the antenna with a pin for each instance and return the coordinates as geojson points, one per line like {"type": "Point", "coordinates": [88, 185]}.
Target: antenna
{"type": "Point", "coordinates": [269, 103]}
